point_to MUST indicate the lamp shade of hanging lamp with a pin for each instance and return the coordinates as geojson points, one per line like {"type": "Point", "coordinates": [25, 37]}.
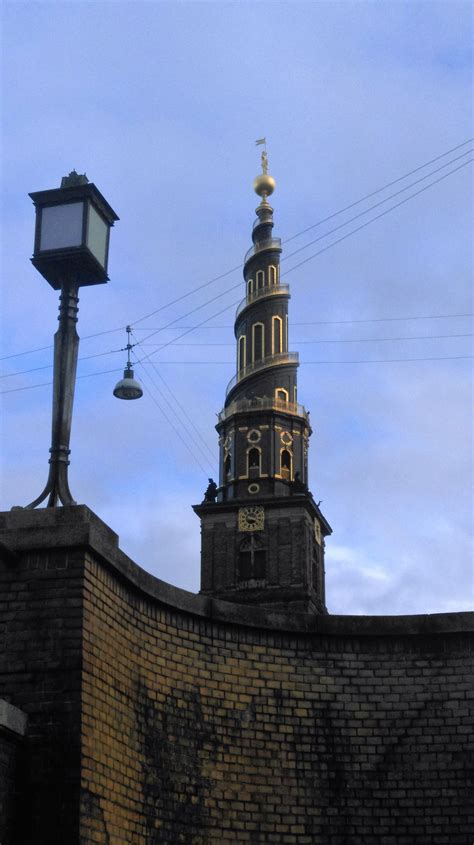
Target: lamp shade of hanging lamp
{"type": "Point", "coordinates": [128, 387]}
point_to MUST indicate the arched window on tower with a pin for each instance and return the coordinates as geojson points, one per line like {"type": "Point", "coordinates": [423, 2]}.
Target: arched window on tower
{"type": "Point", "coordinates": [272, 275]}
{"type": "Point", "coordinates": [258, 343]}
{"type": "Point", "coordinates": [242, 362]}
{"type": "Point", "coordinates": [285, 470]}
{"type": "Point", "coordinates": [249, 288]}
{"type": "Point", "coordinates": [281, 394]}
{"type": "Point", "coordinates": [227, 466]}
{"type": "Point", "coordinates": [251, 560]}
{"type": "Point", "coordinates": [260, 278]}
{"type": "Point", "coordinates": [253, 461]}
{"type": "Point", "coordinates": [277, 335]}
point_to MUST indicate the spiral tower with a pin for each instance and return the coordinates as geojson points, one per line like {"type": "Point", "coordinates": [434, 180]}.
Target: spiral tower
{"type": "Point", "coordinates": [262, 532]}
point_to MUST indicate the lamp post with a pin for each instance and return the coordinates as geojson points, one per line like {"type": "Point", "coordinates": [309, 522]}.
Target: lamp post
{"type": "Point", "coordinates": [73, 225]}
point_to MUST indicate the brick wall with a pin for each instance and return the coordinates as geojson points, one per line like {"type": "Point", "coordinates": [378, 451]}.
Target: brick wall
{"type": "Point", "coordinates": [191, 721]}
{"type": "Point", "coordinates": [12, 730]}
{"type": "Point", "coordinates": [8, 785]}
{"type": "Point", "coordinates": [202, 732]}
{"type": "Point", "coordinates": [40, 672]}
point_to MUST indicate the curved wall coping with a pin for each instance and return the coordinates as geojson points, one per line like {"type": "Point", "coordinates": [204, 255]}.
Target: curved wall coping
{"type": "Point", "coordinates": [77, 526]}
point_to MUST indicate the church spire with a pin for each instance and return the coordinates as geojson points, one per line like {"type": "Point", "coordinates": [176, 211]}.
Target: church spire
{"type": "Point", "coordinates": [263, 539]}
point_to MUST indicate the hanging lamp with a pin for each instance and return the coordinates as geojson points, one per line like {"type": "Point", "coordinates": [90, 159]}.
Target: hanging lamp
{"type": "Point", "coordinates": [128, 387]}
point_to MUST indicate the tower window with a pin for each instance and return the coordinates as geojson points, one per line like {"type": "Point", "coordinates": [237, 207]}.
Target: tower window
{"type": "Point", "coordinates": [260, 279]}
{"type": "Point", "coordinates": [286, 464]}
{"type": "Point", "coordinates": [258, 341]}
{"type": "Point", "coordinates": [277, 332]}
{"type": "Point", "coordinates": [253, 461]}
{"type": "Point", "coordinates": [281, 394]}
{"type": "Point", "coordinates": [272, 275]}
{"type": "Point", "coordinates": [227, 466]}
{"type": "Point", "coordinates": [242, 352]}
{"type": "Point", "coordinates": [251, 560]}
{"type": "Point", "coordinates": [250, 287]}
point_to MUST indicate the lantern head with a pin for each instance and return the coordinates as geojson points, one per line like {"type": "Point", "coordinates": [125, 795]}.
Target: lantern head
{"type": "Point", "coordinates": [73, 225]}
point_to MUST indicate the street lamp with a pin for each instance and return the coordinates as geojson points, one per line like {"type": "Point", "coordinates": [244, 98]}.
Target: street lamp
{"type": "Point", "coordinates": [73, 224]}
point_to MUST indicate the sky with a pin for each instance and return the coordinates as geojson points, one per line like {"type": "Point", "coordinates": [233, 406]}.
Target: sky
{"type": "Point", "coordinates": [160, 104]}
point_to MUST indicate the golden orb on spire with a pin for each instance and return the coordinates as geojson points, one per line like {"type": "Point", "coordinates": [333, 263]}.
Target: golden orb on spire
{"type": "Point", "coordinates": [264, 185]}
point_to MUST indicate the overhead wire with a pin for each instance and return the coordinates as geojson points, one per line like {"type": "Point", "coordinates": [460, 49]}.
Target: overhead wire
{"type": "Point", "coordinates": [338, 340]}
{"type": "Point", "coordinates": [298, 234]}
{"type": "Point", "coordinates": [339, 322]}
{"type": "Point", "coordinates": [228, 345]}
{"type": "Point", "coordinates": [362, 361]}
{"type": "Point", "coordinates": [314, 255]}
{"type": "Point", "coordinates": [318, 223]}
{"type": "Point", "coordinates": [190, 426]}
{"type": "Point", "coordinates": [194, 310]}
{"type": "Point", "coordinates": [171, 422]}
{"type": "Point", "coordinates": [377, 217]}
{"type": "Point", "coordinates": [50, 366]}
{"type": "Point", "coordinates": [379, 190]}
{"type": "Point", "coordinates": [378, 204]}
{"type": "Point", "coordinates": [285, 273]}
{"type": "Point", "coordinates": [227, 363]}
{"type": "Point", "coordinates": [229, 326]}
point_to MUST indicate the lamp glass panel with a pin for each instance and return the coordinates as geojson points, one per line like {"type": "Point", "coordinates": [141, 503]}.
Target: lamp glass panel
{"type": "Point", "coordinates": [61, 225]}
{"type": "Point", "coordinates": [97, 235]}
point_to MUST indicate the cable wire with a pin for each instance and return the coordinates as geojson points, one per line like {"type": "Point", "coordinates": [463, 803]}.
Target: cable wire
{"type": "Point", "coordinates": [171, 422]}
{"type": "Point", "coordinates": [377, 217]}
{"type": "Point", "coordinates": [230, 363]}
{"type": "Point", "coordinates": [229, 326]}
{"type": "Point", "coordinates": [344, 237]}
{"type": "Point", "coordinates": [337, 340]}
{"type": "Point", "coordinates": [190, 428]}
{"type": "Point", "coordinates": [391, 208]}
{"type": "Point", "coordinates": [305, 261]}
{"type": "Point", "coordinates": [338, 322]}
{"type": "Point", "coordinates": [319, 252]}
{"type": "Point", "coordinates": [379, 190]}
{"type": "Point", "coordinates": [50, 366]}
{"type": "Point", "coordinates": [318, 223]}
{"type": "Point", "coordinates": [298, 234]}
{"type": "Point", "coordinates": [296, 342]}
{"type": "Point", "coordinates": [377, 205]}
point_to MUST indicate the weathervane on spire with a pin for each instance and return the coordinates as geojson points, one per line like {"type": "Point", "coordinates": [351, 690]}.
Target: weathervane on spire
{"type": "Point", "coordinates": [264, 155]}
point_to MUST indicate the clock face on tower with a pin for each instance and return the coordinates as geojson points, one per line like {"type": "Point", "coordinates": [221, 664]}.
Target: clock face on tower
{"type": "Point", "coordinates": [251, 518]}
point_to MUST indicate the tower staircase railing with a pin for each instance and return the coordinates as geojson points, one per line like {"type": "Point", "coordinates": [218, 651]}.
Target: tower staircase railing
{"type": "Point", "coordinates": [262, 403]}
{"type": "Point", "coordinates": [268, 243]}
{"type": "Point", "coordinates": [274, 290]}
{"type": "Point", "coordinates": [269, 361]}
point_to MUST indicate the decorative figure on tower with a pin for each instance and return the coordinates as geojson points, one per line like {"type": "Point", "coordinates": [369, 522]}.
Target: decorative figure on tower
{"type": "Point", "coordinates": [210, 494]}
{"type": "Point", "coordinates": [261, 543]}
